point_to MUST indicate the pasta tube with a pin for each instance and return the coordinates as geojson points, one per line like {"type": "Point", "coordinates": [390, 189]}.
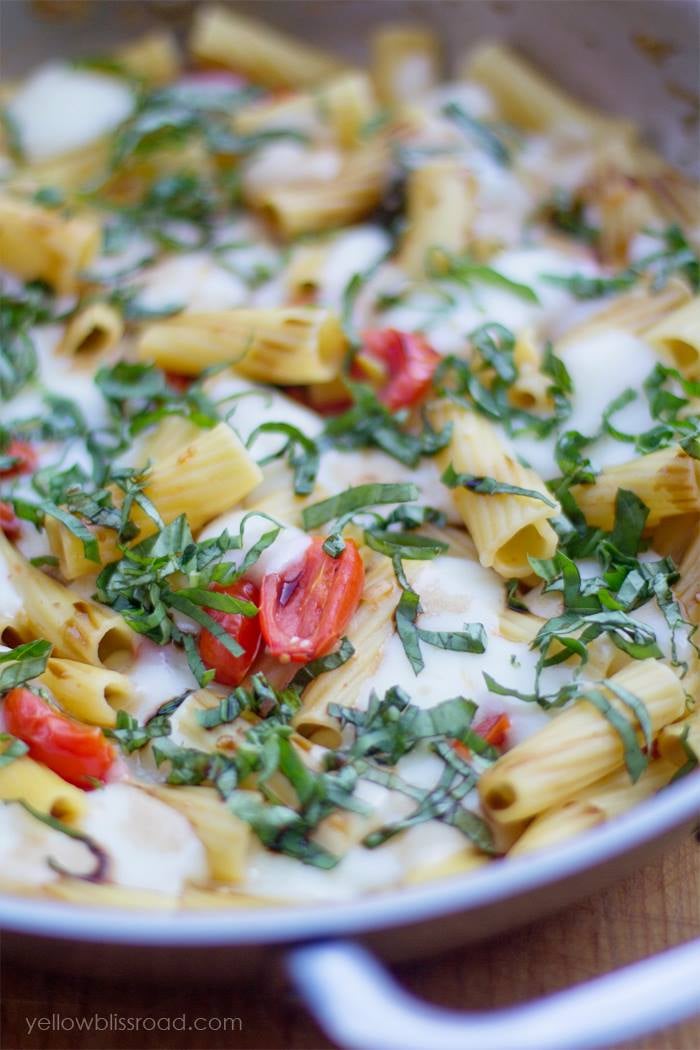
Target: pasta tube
{"type": "Point", "coordinates": [221, 898]}
{"type": "Point", "coordinates": [505, 528]}
{"type": "Point", "coordinates": [259, 52]}
{"type": "Point", "coordinates": [467, 859]}
{"type": "Point", "coordinates": [68, 172]}
{"type": "Point", "coordinates": [522, 627]}
{"type": "Point", "coordinates": [340, 108]}
{"type": "Point", "coordinates": [78, 629]}
{"type": "Point", "coordinates": [298, 344]}
{"type": "Point", "coordinates": [311, 207]}
{"type": "Point", "coordinates": [666, 481]}
{"type": "Point", "coordinates": [595, 805]}
{"type": "Point", "coordinates": [671, 740]}
{"type": "Point", "coordinates": [406, 62]}
{"type": "Point", "coordinates": [677, 336]}
{"type": "Point", "coordinates": [527, 98]}
{"type": "Point", "coordinates": [577, 748]}
{"type": "Point", "coordinates": [201, 479]}
{"type": "Point", "coordinates": [28, 781]}
{"type": "Point", "coordinates": [39, 244]}
{"type": "Point", "coordinates": [224, 836]}
{"type": "Point", "coordinates": [368, 631]}
{"type": "Point", "coordinates": [637, 311]}
{"type": "Point", "coordinates": [109, 895]}
{"type": "Point", "coordinates": [441, 205]}
{"type": "Point", "coordinates": [91, 694]}
{"type": "Point", "coordinates": [93, 329]}
{"type": "Point", "coordinates": [153, 58]}
{"type": "Point", "coordinates": [673, 537]}
{"type": "Point", "coordinates": [688, 587]}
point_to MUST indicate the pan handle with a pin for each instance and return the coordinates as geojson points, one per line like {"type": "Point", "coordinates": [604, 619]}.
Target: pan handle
{"type": "Point", "coordinates": [361, 1007]}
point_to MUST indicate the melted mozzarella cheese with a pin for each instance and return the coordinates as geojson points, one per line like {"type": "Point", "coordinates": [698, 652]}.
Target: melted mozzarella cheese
{"type": "Point", "coordinates": [192, 281]}
{"type": "Point", "coordinates": [150, 845]}
{"type": "Point", "coordinates": [448, 324]}
{"type": "Point", "coordinates": [353, 252]}
{"type": "Point", "coordinates": [247, 405]}
{"type": "Point", "coordinates": [288, 162]}
{"type": "Point", "coordinates": [341, 470]}
{"type": "Point", "coordinates": [158, 674]}
{"type": "Point", "coordinates": [26, 845]}
{"type": "Point", "coordinates": [289, 546]}
{"type": "Point", "coordinates": [454, 591]}
{"type": "Point", "coordinates": [59, 109]}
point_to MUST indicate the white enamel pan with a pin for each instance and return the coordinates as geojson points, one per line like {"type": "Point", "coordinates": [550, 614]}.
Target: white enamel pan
{"type": "Point", "coordinates": [331, 953]}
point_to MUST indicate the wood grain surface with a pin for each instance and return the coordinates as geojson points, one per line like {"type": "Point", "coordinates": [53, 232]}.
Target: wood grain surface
{"type": "Point", "coordinates": [657, 908]}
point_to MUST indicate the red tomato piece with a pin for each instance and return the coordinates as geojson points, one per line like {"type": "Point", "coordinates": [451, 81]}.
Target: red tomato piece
{"type": "Point", "coordinates": [229, 669]}
{"type": "Point", "coordinates": [78, 753]}
{"type": "Point", "coordinates": [493, 729]}
{"type": "Point", "coordinates": [305, 608]}
{"type": "Point", "coordinates": [409, 362]}
{"type": "Point", "coordinates": [9, 523]}
{"type": "Point", "coordinates": [179, 382]}
{"type": "Point", "coordinates": [25, 455]}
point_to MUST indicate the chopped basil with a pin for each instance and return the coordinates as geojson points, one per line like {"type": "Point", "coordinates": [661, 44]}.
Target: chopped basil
{"type": "Point", "coordinates": [486, 137]}
{"type": "Point", "coordinates": [692, 758]}
{"type": "Point", "coordinates": [490, 486]}
{"type": "Point", "coordinates": [22, 664]}
{"type": "Point", "coordinates": [355, 500]}
{"type": "Point", "coordinates": [12, 748]}
{"type": "Point", "coordinates": [443, 265]}
{"type": "Point", "coordinates": [99, 871]}
{"type": "Point", "coordinates": [567, 213]}
{"type": "Point", "coordinates": [370, 424]}
{"type": "Point", "coordinates": [301, 451]}
{"type": "Point", "coordinates": [675, 257]}
{"type": "Point", "coordinates": [323, 664]}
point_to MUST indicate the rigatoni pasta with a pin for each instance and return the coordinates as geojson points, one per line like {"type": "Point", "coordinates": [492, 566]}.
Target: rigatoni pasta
{"type": "Point", "coordinates": [506, 528]}
{"type": "Point", "coordinates": [349, 488]}
{"type": "Point", "coordinates": [38, 244]}
{"type": "Point", "coordinates": [297, 343]}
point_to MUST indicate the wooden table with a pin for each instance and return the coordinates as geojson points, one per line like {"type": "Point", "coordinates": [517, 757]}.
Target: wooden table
{"type": "Point", "coordinates": [657, 908]}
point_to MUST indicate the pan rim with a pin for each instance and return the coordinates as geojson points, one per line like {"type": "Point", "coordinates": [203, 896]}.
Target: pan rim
{"type": "Point", "coordinates": [677, 805]}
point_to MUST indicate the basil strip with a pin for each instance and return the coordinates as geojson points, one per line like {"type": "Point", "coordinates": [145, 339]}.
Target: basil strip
{"type": "Point", "coordinates": [490, 486]}
{"type": "Point", "coordinates": [356, 499]}
{"type": "Point", "coordinates": [22, 664]}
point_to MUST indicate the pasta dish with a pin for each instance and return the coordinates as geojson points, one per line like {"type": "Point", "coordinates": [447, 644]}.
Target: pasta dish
{"type": "Point", "coordinates": [349, 469]}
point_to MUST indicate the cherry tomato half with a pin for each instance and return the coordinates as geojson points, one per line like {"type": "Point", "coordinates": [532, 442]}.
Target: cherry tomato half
{"type": "Point", "coordinates": [229, 669]}
{"type": "Point", "coordinates": [408, 360]}
{"type": "Point", "coordinates": [305, 608]}
{"type": "Point", "coordinates": [25, 455]}
{"type": "Point", "coordinates": [9, 523]}
{"type": "Point", "coordinates": [78, 753]}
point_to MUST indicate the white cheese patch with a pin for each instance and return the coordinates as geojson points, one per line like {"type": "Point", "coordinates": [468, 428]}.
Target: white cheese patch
{"type": "Point", "coordinates": [284, 163]}
{"type": "Point", "coordinates": [158, 674]}
{"type": "Point", "coordinates": [354, 251]}
{"type": "Point", "coordinates": [454, 591]}
{"type": "Point", "coordinates": [26, 844]}
{"type": "Point", "coordinates": [150, 845]}
{"type": "Point", "coordinates": [59, 109]}
{"type": "Point", "coordinates": [289, 547]}
{"type": "Point", "coordinates": [341, 470]}
{"type": "Point", "coordinates": [191, 281]}
{"type": "Point", "coordinates": [447, 323]}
